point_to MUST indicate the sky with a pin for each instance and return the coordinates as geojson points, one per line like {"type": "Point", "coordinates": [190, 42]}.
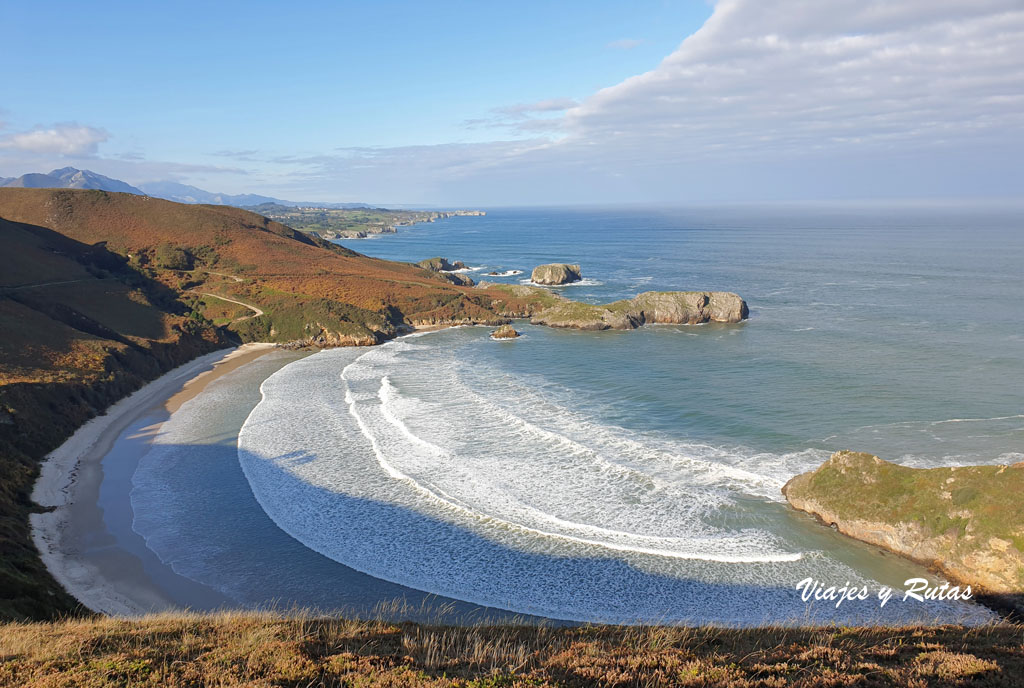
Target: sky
{"type": "Point", "coordinates": [524, 103]}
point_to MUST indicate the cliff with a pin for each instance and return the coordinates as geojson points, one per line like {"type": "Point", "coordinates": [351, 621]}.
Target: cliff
{"type": "Point", "coordinates": [678, 307]}
{"type": "Point", "coordinates": [967, 522]}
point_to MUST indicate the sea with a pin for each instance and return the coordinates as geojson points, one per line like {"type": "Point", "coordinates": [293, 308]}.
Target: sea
{"type": "Point", "coordinates": [617, 476]}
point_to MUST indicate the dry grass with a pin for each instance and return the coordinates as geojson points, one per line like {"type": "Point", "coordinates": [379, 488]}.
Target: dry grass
{"type": "Point", "coordinates": [267, 649]}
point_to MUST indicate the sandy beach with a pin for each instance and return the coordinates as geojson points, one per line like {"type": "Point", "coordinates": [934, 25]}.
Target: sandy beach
{"type": "Point", "coordinates": [71, 538]}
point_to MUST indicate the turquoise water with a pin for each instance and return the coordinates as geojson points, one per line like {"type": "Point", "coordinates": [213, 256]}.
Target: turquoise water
{"type": "Point", "coordinates": [875, 331]}
{"type": "Point", "coordinates": [635, 476]}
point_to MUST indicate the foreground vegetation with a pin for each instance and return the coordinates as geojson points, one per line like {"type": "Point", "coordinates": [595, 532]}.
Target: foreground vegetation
{"type": "Point", "coordinates": [249, 649]}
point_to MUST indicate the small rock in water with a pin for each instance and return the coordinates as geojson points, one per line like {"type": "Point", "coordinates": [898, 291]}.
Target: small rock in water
{"type": "Point", "coordinates": [504, 332]}
{"type": "Point", "coordinates": [556, 273]}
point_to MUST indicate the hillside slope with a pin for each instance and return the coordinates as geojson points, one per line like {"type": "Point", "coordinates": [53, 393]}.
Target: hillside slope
{"type": "Point", "coordinates": [69, 178]}
{"type": "Point", "coordinates": [80, 329]}
{"type": "Point", "coordinates": [311, 290]}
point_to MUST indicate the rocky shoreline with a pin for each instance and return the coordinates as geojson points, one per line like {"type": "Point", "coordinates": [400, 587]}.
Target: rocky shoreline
{"type": "Point", "coordinates": [965, 522]}
{"type": "Point", "coordinates": [665, 307]}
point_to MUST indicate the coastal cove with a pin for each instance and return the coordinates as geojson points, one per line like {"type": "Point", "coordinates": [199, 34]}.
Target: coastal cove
{"type": "Point", "coordinates": [92, 543]}
{"type": "Point", "coordinates": [372, 481]}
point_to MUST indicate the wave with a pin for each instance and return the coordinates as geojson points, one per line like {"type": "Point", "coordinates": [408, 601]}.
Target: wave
{"type": "Point", "coordinates": [466, 269]}
{"type": "Point", "coordinates": [394, 461]}
{"type": "Point", "coordinates": [585, 282]}
{"type": "Point", "coordinates": [387, 395]}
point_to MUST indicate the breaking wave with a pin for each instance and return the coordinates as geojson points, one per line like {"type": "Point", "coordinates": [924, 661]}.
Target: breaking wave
{"type": "Point", "coordinates": [414, 463]}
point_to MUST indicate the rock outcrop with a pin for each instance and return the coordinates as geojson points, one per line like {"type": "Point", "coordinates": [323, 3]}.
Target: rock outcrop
{"type": "Point", "coordinates": [504, 332]}
{"type": "Point", "coordinates": [447, 270]}
{"type": "Point", "coordinates": [556, 273]}
{"type": "Point", "coordinates": [675, 307]}
{"type": "Point", "coordinates": [440, 264]}
{"type": "Point", "coordinates": [967, 521]}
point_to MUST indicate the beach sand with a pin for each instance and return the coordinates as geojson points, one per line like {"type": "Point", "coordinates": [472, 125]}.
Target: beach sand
{"type": "Point", "coordinates": [73, 539]}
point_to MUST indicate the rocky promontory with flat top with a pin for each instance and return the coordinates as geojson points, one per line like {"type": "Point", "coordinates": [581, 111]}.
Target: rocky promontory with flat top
{"type": "Point", "coordinates": [964, 521]}
{"type": "Point", "coordinates": [669, 307]}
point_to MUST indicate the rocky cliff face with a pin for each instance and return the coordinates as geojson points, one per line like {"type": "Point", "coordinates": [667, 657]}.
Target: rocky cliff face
{"type": "Point", "coordinates": [676, 307]}
{"type": "Point", "coordinates": [967, 522]}
{"type": "Point", "coordinates": [556, 273]}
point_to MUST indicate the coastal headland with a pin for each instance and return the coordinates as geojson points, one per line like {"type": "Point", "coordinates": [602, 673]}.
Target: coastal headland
{"type": "Point", "coordinates": [966, 522]}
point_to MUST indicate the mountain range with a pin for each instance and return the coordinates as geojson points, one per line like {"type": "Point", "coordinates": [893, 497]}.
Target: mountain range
{"type": "Point", "coordinates": [72, 178]}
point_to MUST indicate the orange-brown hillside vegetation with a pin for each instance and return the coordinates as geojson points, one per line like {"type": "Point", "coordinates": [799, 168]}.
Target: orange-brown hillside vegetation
{"type": "Point", "coordinates": [79, 329]}
{"type": "Point", "coordinates": [249, 649]}
{"type": "Point", "coordinates": [309, 289]}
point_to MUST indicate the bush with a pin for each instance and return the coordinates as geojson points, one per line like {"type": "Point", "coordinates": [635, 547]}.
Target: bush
{"type": "Point", "coordinates": [172, 258]}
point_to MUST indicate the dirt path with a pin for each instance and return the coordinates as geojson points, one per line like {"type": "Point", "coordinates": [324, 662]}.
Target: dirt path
{"type": "Point", "coordinates": [256, 312]}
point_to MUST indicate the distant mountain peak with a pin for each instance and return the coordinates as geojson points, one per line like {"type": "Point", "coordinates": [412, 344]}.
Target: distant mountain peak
{"type": "Point", "coordinates": [70, 178]}
{"type": "Point", "coordinates": [74, 178]}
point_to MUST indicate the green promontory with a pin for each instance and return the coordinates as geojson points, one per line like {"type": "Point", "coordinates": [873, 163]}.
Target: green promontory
{"type": "Point", "coordinates": [675, 307]}
{"type": "Point", "coordinates": [440, 264]}
{"type": "Point", "coordinates": [966, 521]}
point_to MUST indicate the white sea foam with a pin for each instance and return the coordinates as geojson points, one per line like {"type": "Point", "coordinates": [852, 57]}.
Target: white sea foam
{"type": "Point", "coordinates": [398, 464]}
{"type": "Point", "coordinates": [585, 282]}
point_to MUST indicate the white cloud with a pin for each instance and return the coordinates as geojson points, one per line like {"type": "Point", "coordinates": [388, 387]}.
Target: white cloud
{"type": "Point", "coordinates": [770, 99]}
{"type": "Point", "coordinates": [62, 139]}
{"type": "Point", "coordinates": [520, 110]}
{"type": "Point", "coordinates": [769, 77]}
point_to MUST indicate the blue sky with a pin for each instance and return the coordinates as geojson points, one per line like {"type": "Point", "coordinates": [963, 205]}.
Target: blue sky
{"type": "Point", "coordinates": [526, 102]}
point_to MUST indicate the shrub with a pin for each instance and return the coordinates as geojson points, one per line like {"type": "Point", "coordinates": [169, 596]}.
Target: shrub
{"type": "Point", "coordinates": [172, 258]}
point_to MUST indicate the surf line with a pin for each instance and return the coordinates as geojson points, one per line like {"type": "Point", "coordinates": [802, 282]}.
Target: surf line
{"type": "Point", "coordinates": [450, 504]}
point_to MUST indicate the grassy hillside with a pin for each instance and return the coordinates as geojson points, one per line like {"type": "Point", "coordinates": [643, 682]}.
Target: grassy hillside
{"type": "Point", "coordinates": [79, 329]}
{"type": "Point", "coordinates": [966, 521]}
{"type": "Point", "coordinates": [308, 288]}
{"type": "Point", "coordinates": [266, 650]}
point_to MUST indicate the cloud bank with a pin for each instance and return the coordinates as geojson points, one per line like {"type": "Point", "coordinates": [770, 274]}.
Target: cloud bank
{"type": "Point", "coordinates": [769, 100]}
{"type": "Point", "coordinates": [69, 139]}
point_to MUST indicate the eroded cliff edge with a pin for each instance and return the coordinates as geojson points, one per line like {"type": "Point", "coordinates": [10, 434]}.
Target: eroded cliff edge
{"type": "Point", "coordinates": [668, 307]}
{"type": "Point", "coordinates": [966, 522]}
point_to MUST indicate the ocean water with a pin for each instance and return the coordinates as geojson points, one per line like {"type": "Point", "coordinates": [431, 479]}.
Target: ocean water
{"type": "Point", "coordinates": [635, 476]}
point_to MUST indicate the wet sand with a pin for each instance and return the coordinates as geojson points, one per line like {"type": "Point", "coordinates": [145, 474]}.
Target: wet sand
{"type": "Point", "coordinates": [74, 539]}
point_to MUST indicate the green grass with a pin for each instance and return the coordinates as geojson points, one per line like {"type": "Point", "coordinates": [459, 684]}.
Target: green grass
{"type": "Point", "coordinates": [961, 513]}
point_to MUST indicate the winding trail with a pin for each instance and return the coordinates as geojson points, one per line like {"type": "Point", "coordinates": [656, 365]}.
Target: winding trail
{"type": "Point", "coordinates": [256, 311]}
